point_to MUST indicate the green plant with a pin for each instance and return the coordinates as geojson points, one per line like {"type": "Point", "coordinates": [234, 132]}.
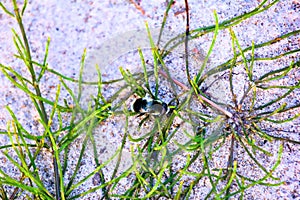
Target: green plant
{"type": "Point", "coordinates": [153, 169]}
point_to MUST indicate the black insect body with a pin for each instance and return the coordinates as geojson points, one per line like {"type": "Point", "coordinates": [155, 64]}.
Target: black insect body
{"type": "Point", "coordinates": [150, 106]}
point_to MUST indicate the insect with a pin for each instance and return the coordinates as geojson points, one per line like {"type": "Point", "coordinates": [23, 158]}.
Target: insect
{"type": "Point", "coordinates": [148, 105]}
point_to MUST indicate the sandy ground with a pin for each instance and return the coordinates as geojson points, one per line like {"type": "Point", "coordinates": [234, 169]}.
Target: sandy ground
{"type": "Point", "coordinates": [111, 31]}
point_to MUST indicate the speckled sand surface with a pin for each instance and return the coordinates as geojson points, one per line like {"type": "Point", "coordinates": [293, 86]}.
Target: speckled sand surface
{"type": "Point", "coordinates": [111, 31]}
